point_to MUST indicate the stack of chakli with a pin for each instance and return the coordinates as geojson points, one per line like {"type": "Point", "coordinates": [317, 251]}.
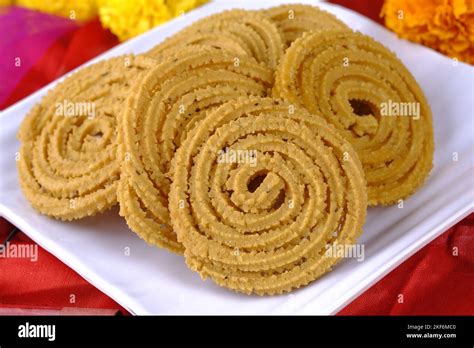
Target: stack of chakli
{"type": "Point", "coordinates": [250, 142]}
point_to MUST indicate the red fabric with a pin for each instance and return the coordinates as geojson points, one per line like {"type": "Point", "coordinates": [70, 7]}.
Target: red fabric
{"type": "Point", "coordinates": [433, 281]}
{"type": "Point", "coordinates": [437, 280]}
{"type": "Point", "coordinates": [367, 8]}
{"type": "Point", "coordinates": [48, 282]}
{"type": "Point", "coordinates": [45, 283]}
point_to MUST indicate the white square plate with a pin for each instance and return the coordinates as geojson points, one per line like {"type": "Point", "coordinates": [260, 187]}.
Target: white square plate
{"type": "Point", "coordinates": [153, 281]}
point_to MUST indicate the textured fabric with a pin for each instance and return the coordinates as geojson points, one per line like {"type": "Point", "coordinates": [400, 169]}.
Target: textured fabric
{"type": "Point", "coordinates": [48, 283]}
{"type": "Point", "coordinates": [45, 282]}
{"type": "Point", "coordinates": [439, 279]}
{"type": "Point", "coordinates": [68, 51]}
{"type": "Point", "coordinates": [22, 45]}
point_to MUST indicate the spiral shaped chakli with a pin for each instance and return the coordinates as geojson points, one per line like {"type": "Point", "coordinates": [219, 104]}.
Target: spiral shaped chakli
{"type": "Point", "coordinates": [238, 32]}
{"type": "Point", "coordinates": [218, 38]}
{"type": "Point", "coordinates": [362, 88]}
{"type": "Point", "coordinates": [169, 101]}
{"type": "Point", "coordinates": [296, 19]}
{"type": "Point", "coordinates": [260, 191]}
{"type": "Point", "coordinates": [67, 163]}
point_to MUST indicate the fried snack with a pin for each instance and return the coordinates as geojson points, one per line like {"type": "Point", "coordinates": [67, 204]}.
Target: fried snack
{"type": "Point", "coordinates": [169, 101]}
{"type": "Point", "coordinates": [296, 19]}
{"type": "Point", "coordinates": [217, 38]}
{"type": "Point", "coordinates": [67, 164]}
{"type": "Point", "coordinates": [263, 225]}
{"type": "Point", "coordinates": [364, 90]}
{"type": "Point", "coordinates": [236, 31]}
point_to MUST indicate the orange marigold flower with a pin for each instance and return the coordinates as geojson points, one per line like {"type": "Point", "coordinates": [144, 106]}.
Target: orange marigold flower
{"type": "Point", "coordinates": [445, 25]}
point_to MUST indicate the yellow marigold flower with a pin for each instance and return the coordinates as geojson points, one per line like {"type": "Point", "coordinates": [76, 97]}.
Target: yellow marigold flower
{"type": "Point", "coordinates": [445, 25]}
{"type": "Point", "coordinates": [6, 2]}
{"type": "Point", "coordinates": [178, 7]}
{"type": "Point", "coordinates": [127, 19]}
{"type": "Point", "coordinates": [74, 9]}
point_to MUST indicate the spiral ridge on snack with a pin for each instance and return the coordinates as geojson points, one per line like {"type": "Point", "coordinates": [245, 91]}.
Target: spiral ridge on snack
{"type": "Point", "coordinates": [295, 19]}
{"type": "Point", "coordinates": [250, 142]}
{"type": "Point", "coordinates": [171, 98]}
{"type": "Point", "coordinates": [364, 90]}
{"type": "Point", "coordinates": [235, 31]}
{"type": "Point", "coordinates": [261, 221]}
{"type": "Point", "coordinates": [67, 162]}
{"type": "Point", "coordinates": [217, 38]}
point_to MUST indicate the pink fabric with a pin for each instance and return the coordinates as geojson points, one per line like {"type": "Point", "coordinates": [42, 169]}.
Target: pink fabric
{"type": "Point", "coordinates": [25, 37]}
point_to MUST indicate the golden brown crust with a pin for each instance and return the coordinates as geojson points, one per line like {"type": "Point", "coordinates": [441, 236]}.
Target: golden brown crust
{"type": "Point", "coordinates": [270, 238]}
{"type": "Point", "coordinates": [206, 160]}
{"type": "Point", "coordinates": [238, 32]}
{"type": "Point", "coordinates": [170, 100]}
{"type": "Point", "coordinates": [67, 164]}
{"type": "Point", "coordinates": [296, 19]}
{"type": "Point", "coordinates": [350, 79]}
